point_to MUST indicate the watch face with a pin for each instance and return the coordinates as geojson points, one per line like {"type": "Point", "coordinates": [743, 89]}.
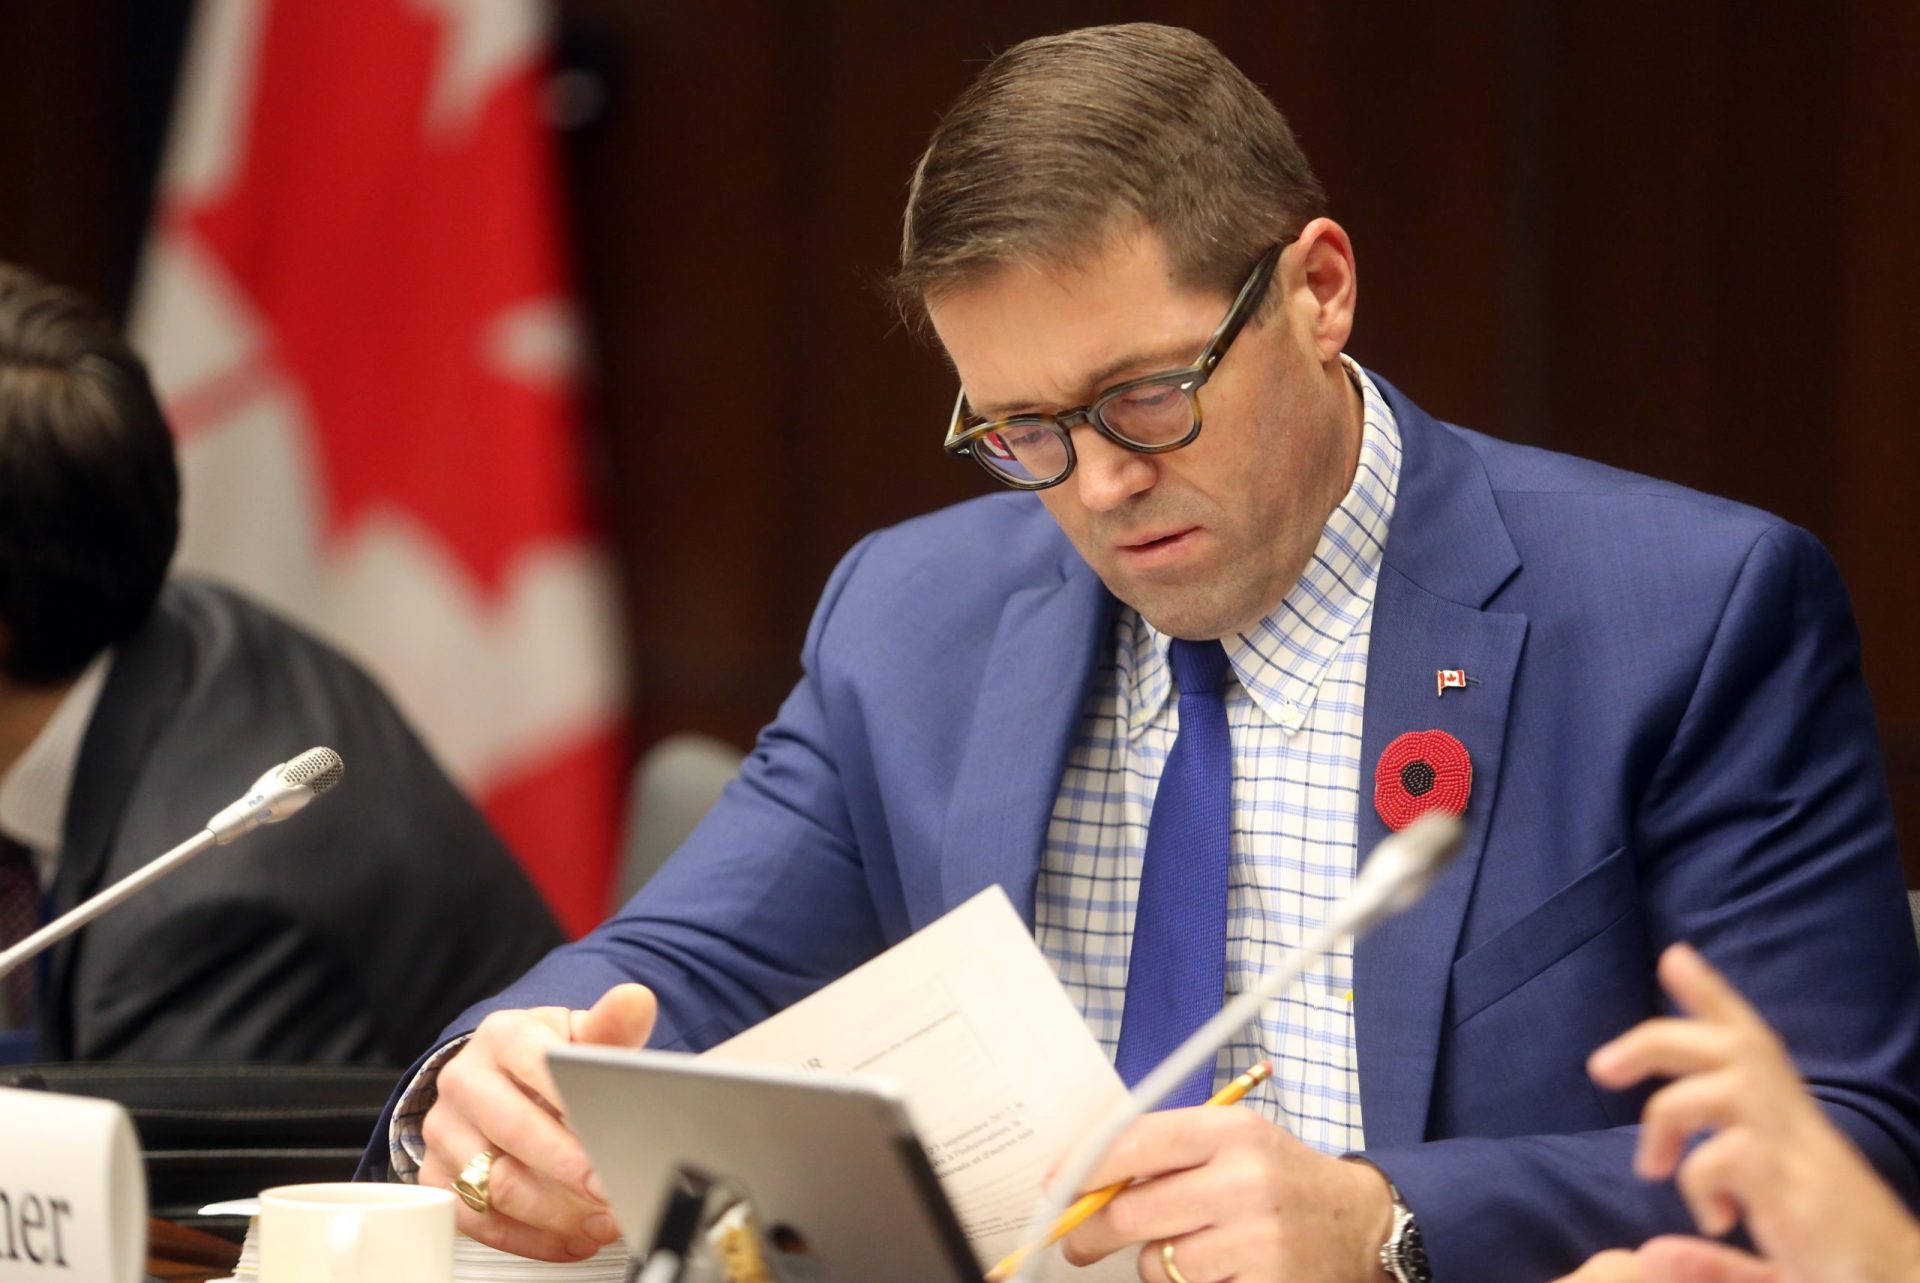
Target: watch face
{"type": "Point", "coordinates": [1413, 1255]}
{"type": "Point", "coordinates": [1405, 1256]}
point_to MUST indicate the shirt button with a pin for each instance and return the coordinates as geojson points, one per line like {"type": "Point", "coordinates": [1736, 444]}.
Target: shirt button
{"type": "Point", "coordinates": [1292, 716]}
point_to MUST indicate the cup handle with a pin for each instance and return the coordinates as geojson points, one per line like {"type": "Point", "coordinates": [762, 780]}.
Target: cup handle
{"type": "Point", "coordinates": [343, 1247]}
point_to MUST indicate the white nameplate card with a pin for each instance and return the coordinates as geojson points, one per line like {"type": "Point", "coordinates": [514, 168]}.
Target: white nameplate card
{"type": "Point", "coordinates": [73, 1197]}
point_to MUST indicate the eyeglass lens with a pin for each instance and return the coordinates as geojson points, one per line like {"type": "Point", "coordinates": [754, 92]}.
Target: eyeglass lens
{"type": "Point", "coordinates": [1150, 415]}
{"type": "Point", "coordinates": [1036, 450]}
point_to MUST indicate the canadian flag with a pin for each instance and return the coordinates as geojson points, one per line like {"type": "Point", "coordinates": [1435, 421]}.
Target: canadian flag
{"type": "Point", "coordinates": [355, 304]}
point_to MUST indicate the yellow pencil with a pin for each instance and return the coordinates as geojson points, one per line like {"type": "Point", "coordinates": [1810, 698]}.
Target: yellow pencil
{"type": "Point", "coordinates": [1088, 1204]}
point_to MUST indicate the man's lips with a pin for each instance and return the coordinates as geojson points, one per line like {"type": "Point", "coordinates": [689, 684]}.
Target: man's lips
{"type": "Point", "coordinates": [1162, 550]}
{"type": "Point", "coordinates": [1158, 539]}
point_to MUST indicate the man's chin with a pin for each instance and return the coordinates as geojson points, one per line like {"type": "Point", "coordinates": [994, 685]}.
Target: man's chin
{"type": "Point", "coordinates": [1193, 616]}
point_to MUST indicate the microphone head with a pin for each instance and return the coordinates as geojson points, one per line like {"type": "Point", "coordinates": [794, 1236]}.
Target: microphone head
{"type": "Point", "coordinates": [289, 786]}
{"type": "Point", "coordinates": [281, 792]}
{"type": "Point", "coordinates": [317, 769]}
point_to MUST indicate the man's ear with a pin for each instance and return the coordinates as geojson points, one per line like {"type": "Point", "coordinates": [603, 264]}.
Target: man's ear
{"type": "Point", "coordinates": [1323, 283]}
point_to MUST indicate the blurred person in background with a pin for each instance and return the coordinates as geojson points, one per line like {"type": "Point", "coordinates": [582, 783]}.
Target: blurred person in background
{"type": "Point", "coordinates": [1774, 1163]}
{"type": "Point", "coordinates": [133, 708]}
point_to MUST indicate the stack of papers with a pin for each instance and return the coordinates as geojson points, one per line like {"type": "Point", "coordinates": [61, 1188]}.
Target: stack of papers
{"type": "Point", "coordinates": [475, 1262]}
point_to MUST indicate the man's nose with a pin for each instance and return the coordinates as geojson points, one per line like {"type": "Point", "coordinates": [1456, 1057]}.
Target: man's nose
{"type": "Point", "coordinates": [1107, 474]}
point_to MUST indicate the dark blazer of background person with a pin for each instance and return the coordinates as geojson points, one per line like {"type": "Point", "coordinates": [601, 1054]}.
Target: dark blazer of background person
{"type": "Point", "coordinates": [291, 946]}
{"type": "Point", "coordinates": [344, 935]}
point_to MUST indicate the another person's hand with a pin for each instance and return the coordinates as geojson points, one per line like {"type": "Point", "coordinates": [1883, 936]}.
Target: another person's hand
{"type": "Point", "coordinates": [1676, 1259]}
{"type": "Point", "coordinates": [1237, 1197]}
{"type": "Point", "coordinates": [1811, 1204]}
{"type": "Point", "coordinates": [496, 1094]}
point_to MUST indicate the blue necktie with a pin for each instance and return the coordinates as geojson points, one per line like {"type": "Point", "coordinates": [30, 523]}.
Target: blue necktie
{"type": "Point", "coordinates": [1177, 973]}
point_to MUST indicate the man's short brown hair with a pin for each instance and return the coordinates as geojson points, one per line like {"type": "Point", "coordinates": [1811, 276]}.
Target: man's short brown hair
{"type": "Point", "coordinates": [1065, 141]}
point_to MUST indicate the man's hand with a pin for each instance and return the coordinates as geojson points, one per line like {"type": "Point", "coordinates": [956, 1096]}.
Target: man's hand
{"type": "Point", "coordinates": [495, 1094]}
{"type": "Point", "coordinates": [1239, 1198]}
{"type": "Point", "coordinates": [1812, 1205]}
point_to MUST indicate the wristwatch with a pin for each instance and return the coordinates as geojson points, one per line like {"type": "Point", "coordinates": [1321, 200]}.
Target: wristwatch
{"type": "Point", "coordinates": [1404, 1255]}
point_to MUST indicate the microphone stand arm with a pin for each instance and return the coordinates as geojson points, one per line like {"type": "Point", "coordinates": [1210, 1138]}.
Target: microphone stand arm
{"type": "Point", "coordinates": [68, 923]}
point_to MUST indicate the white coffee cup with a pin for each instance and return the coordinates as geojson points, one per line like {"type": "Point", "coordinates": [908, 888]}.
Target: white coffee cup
{"type": "Point", "coordinates": [360, 1232]}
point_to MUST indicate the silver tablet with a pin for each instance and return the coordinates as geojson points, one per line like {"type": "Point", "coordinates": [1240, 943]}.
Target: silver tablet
{"type": "Point", "coordinates": [838, 1182]}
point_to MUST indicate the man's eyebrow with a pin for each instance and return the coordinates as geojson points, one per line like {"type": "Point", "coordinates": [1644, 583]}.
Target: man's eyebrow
{"type": "Point", "coordinates": [1169, 357]}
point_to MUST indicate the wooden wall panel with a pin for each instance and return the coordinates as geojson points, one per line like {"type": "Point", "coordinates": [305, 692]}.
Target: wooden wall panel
{"type": "Point", "coordinates": [1680, 338]}
{"type": "Point", "coordinates": [683, 259]}
{"type": "Point", "coordinates": [65, 191]}
{"type": "Point", "coordinates": [1864, 266]}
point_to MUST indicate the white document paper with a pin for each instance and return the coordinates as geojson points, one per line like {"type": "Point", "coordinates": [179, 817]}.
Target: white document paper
{"type": "Point", "coordinates": [1000, 1073]}
{"type": "Point", "coordinates": [73, 1196]}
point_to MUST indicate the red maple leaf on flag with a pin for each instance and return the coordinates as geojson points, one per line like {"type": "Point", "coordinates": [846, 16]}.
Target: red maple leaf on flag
{"type": "Point", "coordinates": [384, 223]}
{"type": "Point", "coordinates": [407, 267]}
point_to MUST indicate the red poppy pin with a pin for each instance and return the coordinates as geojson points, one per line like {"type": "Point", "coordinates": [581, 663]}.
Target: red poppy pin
{"type": "Point", "coordinates": [1421, 771]}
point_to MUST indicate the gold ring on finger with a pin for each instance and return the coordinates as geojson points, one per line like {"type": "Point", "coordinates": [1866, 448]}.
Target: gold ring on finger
{"type": "Point", "coordinates": [471, 1183]}
{"type": "Point", "coordinates": [1166, 1262]}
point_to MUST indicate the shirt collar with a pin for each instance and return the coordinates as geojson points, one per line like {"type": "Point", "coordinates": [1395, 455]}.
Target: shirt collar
{"type": "Point", "coordinates": [1281, 660]}
{"type": "Point", "coordinates": [35, 789]}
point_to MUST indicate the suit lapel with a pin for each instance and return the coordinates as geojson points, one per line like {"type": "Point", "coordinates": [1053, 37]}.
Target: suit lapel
{"type": "Point", "coordinates": [1042, 657]}
{"type": "Point", "coordinates": [143, 689]}
{"type": "Point", "coordinates": [1447, 553]}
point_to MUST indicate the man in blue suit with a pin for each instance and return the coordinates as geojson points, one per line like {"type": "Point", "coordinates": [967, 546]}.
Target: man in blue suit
{"type": "Point", "coordinates": [1645, 703]}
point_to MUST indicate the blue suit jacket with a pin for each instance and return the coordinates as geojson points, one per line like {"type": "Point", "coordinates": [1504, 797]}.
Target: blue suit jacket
{"type": "Point", "coordinates": [1670, 738]}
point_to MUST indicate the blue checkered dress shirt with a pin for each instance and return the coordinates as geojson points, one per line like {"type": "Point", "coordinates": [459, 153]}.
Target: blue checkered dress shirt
{"type": "Point", "coordinates": [1294, 717]}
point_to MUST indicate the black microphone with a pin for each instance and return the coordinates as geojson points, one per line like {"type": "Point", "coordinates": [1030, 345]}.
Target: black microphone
{"type": "Point", "coordinates": [282, 791]}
